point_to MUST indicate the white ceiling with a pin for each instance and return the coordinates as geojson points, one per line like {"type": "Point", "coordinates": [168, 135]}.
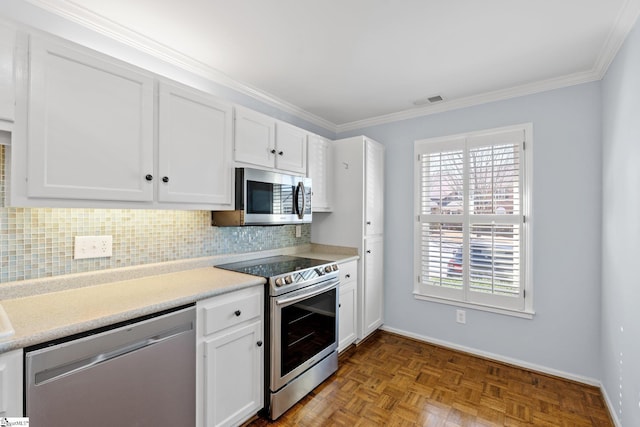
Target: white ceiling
{"type": "Point", "coordinates": [349, 63]}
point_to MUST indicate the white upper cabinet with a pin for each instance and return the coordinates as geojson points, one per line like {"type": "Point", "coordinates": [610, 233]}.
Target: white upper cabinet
{"type": "Point", "coordinates": [263, 141]}
{"type": "Point", "coordinates": [194, 149]}
{"type": "Point", "coordinates": [90, 127]}
{"type": "Point", "coordinates": [7, 92]}
{"type": "Point", "coordinates": [319, 169]}
{"type": "Point", "coordinates": [255, 138]}
{"type": "Point", "coordinates": [374, 188]}
{"type": "Point", "coordinates": [291, 148]}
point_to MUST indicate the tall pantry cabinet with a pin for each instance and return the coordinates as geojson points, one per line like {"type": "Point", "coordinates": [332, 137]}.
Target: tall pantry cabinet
{"type": "Point", "coordinates": [357, 221]}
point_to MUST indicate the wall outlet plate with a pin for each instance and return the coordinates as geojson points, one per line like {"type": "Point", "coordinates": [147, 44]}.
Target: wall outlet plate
{"type": "Point", "coordinates": [461, 316]}
{"type": "Point", "coordinates": [93, 247]}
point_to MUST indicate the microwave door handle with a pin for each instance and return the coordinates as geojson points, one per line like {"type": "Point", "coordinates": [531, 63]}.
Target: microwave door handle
{"type": "Point", "coordinates": [300, 189]}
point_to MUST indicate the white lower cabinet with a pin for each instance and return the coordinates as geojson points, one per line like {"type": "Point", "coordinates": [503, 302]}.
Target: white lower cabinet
{"type": "Point", "coordinates": [230, 369]}
{"type": "Point", "coordinates": [11, 384]}
{"type": "Point", "coordinates": [348, 309]}
{"type": "Point", "coordinates": [373, 285]}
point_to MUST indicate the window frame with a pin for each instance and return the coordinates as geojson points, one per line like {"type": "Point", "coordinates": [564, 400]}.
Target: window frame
{"type": "Point", "coordinates": [524, 306]}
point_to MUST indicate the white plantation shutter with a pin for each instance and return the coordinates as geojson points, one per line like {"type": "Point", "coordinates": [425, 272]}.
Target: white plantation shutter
{"type": "Point", "coordinates": [470, 218]}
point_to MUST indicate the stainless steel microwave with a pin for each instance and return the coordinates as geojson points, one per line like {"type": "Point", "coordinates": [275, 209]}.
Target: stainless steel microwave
{"type": "Point", "coordinates": [267, 198]}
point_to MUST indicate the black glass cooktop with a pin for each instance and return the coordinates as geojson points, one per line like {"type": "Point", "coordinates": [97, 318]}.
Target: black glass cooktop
{"type": "Point", "coordinates": [273, 266]}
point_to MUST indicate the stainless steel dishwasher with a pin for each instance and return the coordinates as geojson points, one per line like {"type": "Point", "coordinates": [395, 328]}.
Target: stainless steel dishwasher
{"type": "Point", "coordinates": [134, 374]}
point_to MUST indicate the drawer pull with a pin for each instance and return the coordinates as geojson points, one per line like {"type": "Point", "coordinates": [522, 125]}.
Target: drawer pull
{"type": "Point", "coordinates": [259, 343]}
{"type": "Point", "coordinates": [237, 313]}
{"type": "Point", "coordinates": [346, 276]}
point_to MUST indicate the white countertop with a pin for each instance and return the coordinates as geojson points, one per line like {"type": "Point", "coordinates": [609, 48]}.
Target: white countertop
{"type": "Point", "coordinates": [40, 317]}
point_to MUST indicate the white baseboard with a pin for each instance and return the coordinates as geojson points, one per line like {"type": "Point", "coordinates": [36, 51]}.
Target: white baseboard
{"type": "Point", "coordinates": [612, 409]}
{"type": "Point", "coordinates": [511, 361]}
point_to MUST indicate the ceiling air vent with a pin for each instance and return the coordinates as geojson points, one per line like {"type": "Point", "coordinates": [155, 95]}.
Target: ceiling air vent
{"type": "Point", "coordinates": [428, 100]}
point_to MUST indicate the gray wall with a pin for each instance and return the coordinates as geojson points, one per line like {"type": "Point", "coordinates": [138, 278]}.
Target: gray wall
{"type": "Point", "coordinates": [564, 334]}
{"type": "Point", "coordinates": [621, 232]}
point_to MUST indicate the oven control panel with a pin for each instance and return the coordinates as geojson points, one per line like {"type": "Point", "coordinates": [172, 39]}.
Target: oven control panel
{"type": "Point", "coordinates": [291, 281]}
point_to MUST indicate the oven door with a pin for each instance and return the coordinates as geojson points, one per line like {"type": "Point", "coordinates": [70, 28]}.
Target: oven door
{"type": "Point", "coordinates": [304, 330]}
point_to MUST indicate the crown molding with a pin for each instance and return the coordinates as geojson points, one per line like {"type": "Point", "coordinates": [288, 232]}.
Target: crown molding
{"type": "Point", "coordinates": [470, 101]}
{"type": "Point", "coordinates": [625, 21]}
{"type": "Point", "coordinates": [109, 28]}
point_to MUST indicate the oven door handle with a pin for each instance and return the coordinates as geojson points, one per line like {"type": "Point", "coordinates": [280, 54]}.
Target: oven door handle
{"type": "Point", "coordinates": [302, 296]}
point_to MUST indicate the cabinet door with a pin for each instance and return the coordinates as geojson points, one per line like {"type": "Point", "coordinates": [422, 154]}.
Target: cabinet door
{"type": "Point", "coordinates": [291, 147]}
{"type": "Point", "coordinates": [373, 284]}
{"type": "Point", "coordinates": [347, 315]}
{"type": "Point", "coordinates": [319, 170]}
{"type": "Point", "coordinates": [233, 370]}
{"type": "Point", "coordinates": [374, 188]}
{"type": "Point", "coordinates": [7, 93]}
{"type": "Point", "coordinates": [194, 149]}
{"type": "Point", "coordinates": [254, 138]}
{"type": "Point", "coordinates": [90, 126]}
{"type": "Point", "coordinates": [11, 385]}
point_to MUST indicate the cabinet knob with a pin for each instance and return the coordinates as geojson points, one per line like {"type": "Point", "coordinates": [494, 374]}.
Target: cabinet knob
{"type": "Point", "coordinates": [149, 177]}
{"type": "Point", "coordinates": [273, 151]}
{"type": "Point", "coordinates": [368, 222]}
{"type": "Point", "coordinates": [339, 305]}
{"type": "Point", "coordinates": [259, 343]}
{"type": "Point", "coordinates": [237, 313]}
{"type": "Point", "coordinates": [368, 252]}
{"type": "Point", "coordinates": [165, 179]}
{"type": "Point", "coordinates": [346, 276]}
{"type": "Point", "coordinates": [280, 153]}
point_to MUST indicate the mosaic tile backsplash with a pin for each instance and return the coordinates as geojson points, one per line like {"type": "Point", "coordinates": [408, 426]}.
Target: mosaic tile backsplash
{"type": "Point", "coordinates": [38, 242]}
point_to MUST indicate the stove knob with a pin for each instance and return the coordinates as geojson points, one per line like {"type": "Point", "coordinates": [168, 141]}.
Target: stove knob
{"type": "Point", "coordinates": [288, 279]}
{"type": "Point", "coordinates": [320, 271]}
{"type": "Point", "coordinates": [335, 267]}
{"type": "Point", "coordinates": [279, 281]}
{"type": "Point", "coordinates": [328, 269]}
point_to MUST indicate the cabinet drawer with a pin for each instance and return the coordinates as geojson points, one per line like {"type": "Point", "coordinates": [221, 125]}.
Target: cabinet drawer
{"type": "Point", "coordinates": [221, 312]}
{"type": "Point", "coordinates": [348, 271]}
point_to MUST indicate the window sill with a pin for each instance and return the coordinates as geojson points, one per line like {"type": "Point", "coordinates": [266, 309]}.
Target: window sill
{"type": "Point", "coordinates": [523, 314]}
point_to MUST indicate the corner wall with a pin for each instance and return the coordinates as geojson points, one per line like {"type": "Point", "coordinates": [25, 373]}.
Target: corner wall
{"type": "Point", "coordinates": [621, 232]}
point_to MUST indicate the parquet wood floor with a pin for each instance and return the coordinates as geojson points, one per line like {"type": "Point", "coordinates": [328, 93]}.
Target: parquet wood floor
{"type": "Point", "coordinates": [391, 380]}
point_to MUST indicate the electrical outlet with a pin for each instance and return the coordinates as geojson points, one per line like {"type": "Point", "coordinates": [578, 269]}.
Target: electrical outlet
{"type": "Point", "coordinates": [93, 247]}
{"type": "Point", "coordinates": [298, 230]}
{"type": "Point", "coordinates": [461, 316]}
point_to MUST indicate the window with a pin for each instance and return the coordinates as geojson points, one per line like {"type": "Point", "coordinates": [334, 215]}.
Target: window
{"type": "Point", "coordinates": [472, 231]}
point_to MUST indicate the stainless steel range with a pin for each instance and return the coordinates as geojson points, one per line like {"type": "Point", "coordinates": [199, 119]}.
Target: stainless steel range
{"type": "Point", "coordinates": [302, 325]}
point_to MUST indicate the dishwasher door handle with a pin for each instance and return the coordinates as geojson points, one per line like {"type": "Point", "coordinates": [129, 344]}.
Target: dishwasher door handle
{"type": "Point", "coordinates": [70, 368]}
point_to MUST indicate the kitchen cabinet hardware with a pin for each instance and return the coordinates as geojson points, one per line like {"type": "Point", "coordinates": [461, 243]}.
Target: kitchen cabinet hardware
{"type": "Point", "coordinates": [237, 313]}
{"type": "Point", "coordinates": [368, 252]}
{"type": "Point", "coordinates": [259, 343]}
{"type": "Point", "coordinates": [149, 177]}
{"type": "Point", "coordinates": [347, 276]}
{"type": "Point", "coordinates": [280, 153]}
{"type": "Point", "coordinates": [368, 222]}
{"type": "Point", "coordinates": [273, 151]}
{"type": "Point", "coordinates": [165, 179]}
